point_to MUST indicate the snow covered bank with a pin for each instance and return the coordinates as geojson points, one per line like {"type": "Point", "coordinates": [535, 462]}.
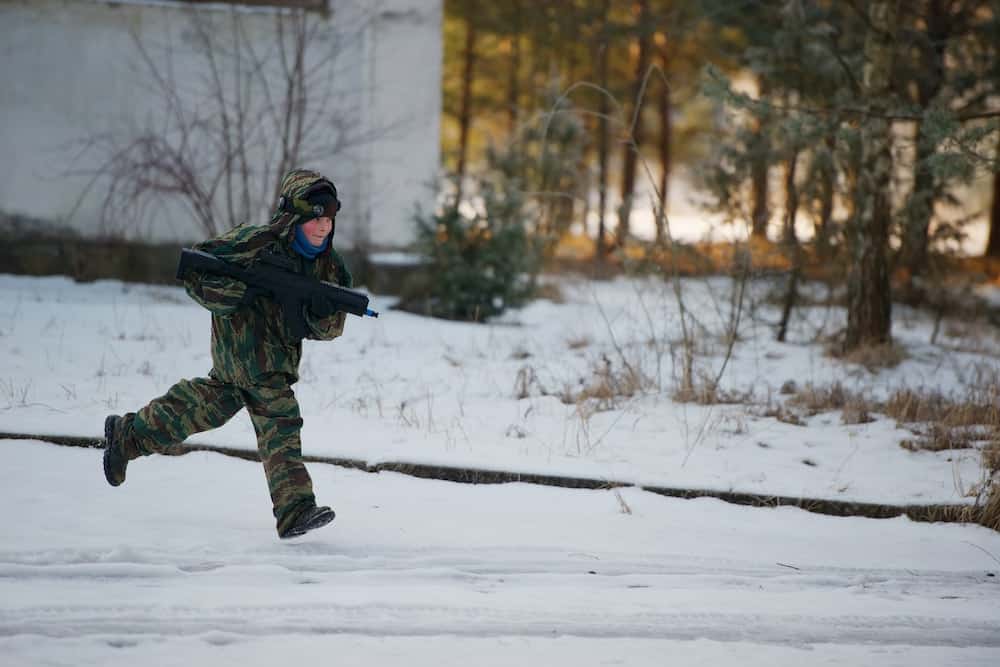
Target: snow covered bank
{"type": "Point", "coordinates": [406, 388]}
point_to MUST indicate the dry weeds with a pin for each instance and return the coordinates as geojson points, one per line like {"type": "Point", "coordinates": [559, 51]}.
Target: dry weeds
{"type": "Point", "coordinates": [706, 392]}
{"type": "Point", "coordinates": [821, 399]}
{"type": "Point", "coordinates": [783, 414]}
{"type": "Point", "coordinates": [873, 357]}
{"type": "Point", "coordinates": [942, 423]}
{"type": "Point", "coordinates": [991, 457]}
{"type": "Point", "coordinates": [608, 384]}
{"type": "Point", "coordinates": [989, 515]}
{"type": "Point", "coordinates": [813, 400]}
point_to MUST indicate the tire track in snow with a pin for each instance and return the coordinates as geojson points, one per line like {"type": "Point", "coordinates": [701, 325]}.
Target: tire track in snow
{"type": "Point", "coordinates": [534, 594]}
{"type": "Point", "coordinates": [484, 621]}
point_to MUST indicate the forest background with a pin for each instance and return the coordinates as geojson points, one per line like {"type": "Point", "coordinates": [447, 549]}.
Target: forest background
{"type": "Point", "coordinates": [854, 139]}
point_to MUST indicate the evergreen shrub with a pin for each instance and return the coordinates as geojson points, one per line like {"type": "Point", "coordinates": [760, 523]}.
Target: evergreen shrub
{"type": "Point", "coordinates": [475, 265]}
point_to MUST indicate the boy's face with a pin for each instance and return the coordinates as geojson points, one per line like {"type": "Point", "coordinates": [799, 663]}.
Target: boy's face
{"type": "Point", "coordinates": [317, 229]}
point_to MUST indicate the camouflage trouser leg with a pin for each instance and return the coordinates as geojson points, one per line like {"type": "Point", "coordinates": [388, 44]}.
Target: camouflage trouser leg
{"type": "Point", "coordinates": [276, 419]}
{"type": "Point", "coordinates": [189, 407]}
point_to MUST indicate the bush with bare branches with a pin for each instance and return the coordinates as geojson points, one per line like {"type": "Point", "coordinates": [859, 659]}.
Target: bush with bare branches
{"type": "Point", "coordinates": [234, 108]}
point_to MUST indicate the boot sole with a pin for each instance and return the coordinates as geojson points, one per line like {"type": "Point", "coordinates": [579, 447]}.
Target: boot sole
{"type": "Point", "coordinates": [317, 521]}
{"type": "Point", "coordinates": [109, 432]}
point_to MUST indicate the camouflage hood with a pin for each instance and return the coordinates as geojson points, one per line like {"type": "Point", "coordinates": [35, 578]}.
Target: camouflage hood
{"type": "Point", "coordinates": [290, 208]}
{"type": "Point", "coordinates": [251, 344]}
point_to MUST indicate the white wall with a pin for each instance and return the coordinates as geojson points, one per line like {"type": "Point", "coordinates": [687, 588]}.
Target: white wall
{"type": "Point", "coordinates": [69, 70]}
{"type": "Point", "coordinates": [405, 68]}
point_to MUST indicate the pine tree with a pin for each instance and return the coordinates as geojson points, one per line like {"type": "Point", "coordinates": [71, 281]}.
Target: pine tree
{"type": "Point", "coordinates": [950, 69]}
{"type": "Point", "coordinates": [869, 300]}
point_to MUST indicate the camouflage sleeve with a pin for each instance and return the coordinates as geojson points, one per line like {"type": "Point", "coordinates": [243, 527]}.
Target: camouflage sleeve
{"type": "Point", "coordinates": [221, 295]}
{"type": "Point", "coordinates": [326, 328]}
{"type": "Point", "coordinates": [218, 294]}
{"type": "Point", "coordinates": [343, 277]}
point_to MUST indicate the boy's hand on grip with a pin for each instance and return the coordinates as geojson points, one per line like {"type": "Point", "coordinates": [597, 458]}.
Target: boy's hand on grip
{"type": "Point", "coordinates": [252, 293]}
{"type": "Point", "coordinates": [321, 307]}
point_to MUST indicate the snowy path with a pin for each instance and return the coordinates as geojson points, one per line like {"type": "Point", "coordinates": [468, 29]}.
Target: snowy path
{"type": "Point", "coordinates": [180, 566]}
{"type": "Point", "coordinates": [479, 595]}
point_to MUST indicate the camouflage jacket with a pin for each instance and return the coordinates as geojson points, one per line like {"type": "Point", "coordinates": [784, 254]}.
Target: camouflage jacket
{"type": "Point", "coordinates": [251, 345]}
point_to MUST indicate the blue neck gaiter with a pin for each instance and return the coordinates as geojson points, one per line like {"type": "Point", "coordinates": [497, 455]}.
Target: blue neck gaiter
{"type": "Point", "coordinates": [301, 244]}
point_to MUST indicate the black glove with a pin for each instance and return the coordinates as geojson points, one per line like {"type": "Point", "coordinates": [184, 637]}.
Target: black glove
{"type": "Point", "coordinates": [321, 307]}
{"type": "Point", "coordinates": [252, 293]}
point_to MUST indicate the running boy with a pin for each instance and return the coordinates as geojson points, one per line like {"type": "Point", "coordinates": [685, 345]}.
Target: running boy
{"type": "Point", "coordinates": [254, 359]}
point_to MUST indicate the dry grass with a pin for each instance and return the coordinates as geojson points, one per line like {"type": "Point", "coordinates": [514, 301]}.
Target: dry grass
{"type": "Point", "coordinates": [854, 407]}
{"type": "Point", "coordinates": [991, 457]}
{"type": "Point", "coordinates": [608, 384]}
{"type": "Point", "coordinates": [873, 357]}
{"type": "Point", "coordinates": [942, 423]}
{"type": "Point", "coordinates": [704, 391]}
{"type": "Point", "coordinates": [989, 505]}
{"type": "Point", "coordinates": [906, 405]}
{"type": "Point", "coordinates": [783, 414]}
{"type": "Point", "coordinates": [525, 380]}
{"type": "Point", "coordinates": [988, 267]}
{"type": "Point", "coordinates": [820, 399]}
{"type": "Point", "coordinates": [697, 259]}
{"type": "Point", "coordinates": [989, 515]}
{"type": "Point", "coordinates": [939, 423]}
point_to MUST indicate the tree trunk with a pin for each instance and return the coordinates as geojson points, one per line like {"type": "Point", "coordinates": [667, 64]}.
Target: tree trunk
{"type": "Point", "coordinates": [634, 143]}
{"type": "Point", "coordinates": [869, 299]}
{"type": "Point", "coordinates": [602, 138]}
{"type": "Point", "coordinates": [760, 156]}
{"type": "Point", "coordinates": [993, 245]}
{"type": "Point", "coordinates": [514, 81]}
{"type": "Point", "coordinates": [666, 128]}
{"type": "Point", "coordinates": [914, 248]}
{"type": "Point", "coordinates": [913, 251]}
{"type": "Point", "coordinates": [827, 190]}
{"type": "Point", "coordinates": [791, 198]}
{"type": "Point", "coordinates": [465, 113]}
{"type": "Point", "coordinates": [792, 242]}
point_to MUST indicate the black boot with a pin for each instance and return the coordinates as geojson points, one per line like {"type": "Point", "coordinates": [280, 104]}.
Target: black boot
{"type": "Point", "coordinates": [115, 460]}
{"type": "Point", "coordinates": [310, 518]}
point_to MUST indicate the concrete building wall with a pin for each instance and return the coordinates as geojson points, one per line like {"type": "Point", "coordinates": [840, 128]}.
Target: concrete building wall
{"type": "Point", "coordinates": [405, 68]}
{"type": "Point", "coordinates": [70, 70]}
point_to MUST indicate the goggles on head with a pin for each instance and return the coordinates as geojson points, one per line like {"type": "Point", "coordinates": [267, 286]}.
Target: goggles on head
{"type": "Point", "coordinates": [320, 199]}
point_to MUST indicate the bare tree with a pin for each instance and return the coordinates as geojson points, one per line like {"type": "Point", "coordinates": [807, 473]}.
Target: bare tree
{"type": "Point", "coordinates": [603, 158]}
{"type": "Point", "coordinates": [632, 147]}
{"type": "Point", "coordinates": [791, 242]}
{"type": "Point", "coordinates": [221, 139]}
{"type": "Point", "coordinates": [760, 151]}
{"type": "Point", "coordinates": [468, 75]}
{"type": "Point", "coordinates": [666, 128]}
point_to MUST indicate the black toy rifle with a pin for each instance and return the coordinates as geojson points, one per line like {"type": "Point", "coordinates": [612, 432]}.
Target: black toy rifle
{"type": "Point", "coordinates": [275, 275]}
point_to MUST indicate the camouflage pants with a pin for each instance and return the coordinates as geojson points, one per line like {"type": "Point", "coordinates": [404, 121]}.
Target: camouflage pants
{"type": "Point", "coordinates": [193, 406]}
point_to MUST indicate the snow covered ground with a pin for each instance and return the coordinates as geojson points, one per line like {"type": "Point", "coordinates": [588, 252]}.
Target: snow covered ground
{"type": "Point", "coordinates": [412, 389]}
{"type": "Point", "coordinates": [181, 566]}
